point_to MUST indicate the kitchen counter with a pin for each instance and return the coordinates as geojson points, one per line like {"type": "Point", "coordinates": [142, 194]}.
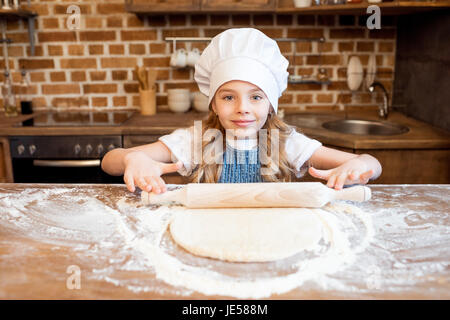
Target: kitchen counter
{"type": "Point", "coordinates": [421, 135]}
{"type": "Point", "coordinates": [104, 233]}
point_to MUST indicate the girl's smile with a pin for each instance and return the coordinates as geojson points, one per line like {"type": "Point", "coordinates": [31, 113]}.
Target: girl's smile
{"type": "Point", "coordinates": [243, 123]}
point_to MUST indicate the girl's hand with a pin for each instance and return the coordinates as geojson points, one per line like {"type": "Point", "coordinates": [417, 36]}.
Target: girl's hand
{"type": "Point", "coordinates": [351, 172]}
{"type": "Point", "coordinates": [144, 172]}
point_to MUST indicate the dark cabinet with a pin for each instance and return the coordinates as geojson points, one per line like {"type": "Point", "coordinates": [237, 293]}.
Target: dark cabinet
{"type": "Point", "coordinates": [5, 161]}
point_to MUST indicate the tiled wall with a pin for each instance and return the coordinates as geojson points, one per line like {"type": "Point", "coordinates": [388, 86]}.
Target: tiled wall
{"type": "Point", "coordinates": [94, 65]}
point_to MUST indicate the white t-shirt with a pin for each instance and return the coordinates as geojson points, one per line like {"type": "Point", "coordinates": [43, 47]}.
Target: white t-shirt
{"type": "Point", "coordinates": [298, 147]}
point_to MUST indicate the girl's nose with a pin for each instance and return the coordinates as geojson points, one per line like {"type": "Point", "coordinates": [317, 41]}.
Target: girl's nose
{"type": "Point", "coordinates": [242, 106]}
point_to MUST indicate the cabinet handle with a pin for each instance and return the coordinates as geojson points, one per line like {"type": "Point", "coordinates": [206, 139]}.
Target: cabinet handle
{"type": "Point", "coordinates": [67, 163]}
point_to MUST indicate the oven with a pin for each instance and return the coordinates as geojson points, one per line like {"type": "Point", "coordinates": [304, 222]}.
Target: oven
{"type": "Point", "coordinates": [61, 159]}
{"type": "Point", "coordinates": [65, 158]}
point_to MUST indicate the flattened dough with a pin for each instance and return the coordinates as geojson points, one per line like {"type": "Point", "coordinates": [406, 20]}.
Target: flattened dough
{"type": "Point", "coordinates": [246, 234]}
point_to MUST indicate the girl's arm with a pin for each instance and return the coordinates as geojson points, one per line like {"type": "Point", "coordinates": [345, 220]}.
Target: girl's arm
{"type": "Point", "coordinates": [113, 162]}
{"type": "Point", "coordinates": [342, 168]}
{"type": "Point", "coordinates": [141, 166]}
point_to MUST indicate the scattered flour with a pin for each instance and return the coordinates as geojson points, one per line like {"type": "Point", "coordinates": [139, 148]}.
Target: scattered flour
{"type": "Point", "coordinates": [371, 248]}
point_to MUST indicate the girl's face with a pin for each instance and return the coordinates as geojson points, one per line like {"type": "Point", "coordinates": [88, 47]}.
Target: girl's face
{"type": "Point", "coordinates": [241, 106]}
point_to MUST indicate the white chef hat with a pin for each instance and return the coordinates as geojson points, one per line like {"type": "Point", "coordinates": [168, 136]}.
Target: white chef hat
{"type": "Point", "coordinates": [244, 54]}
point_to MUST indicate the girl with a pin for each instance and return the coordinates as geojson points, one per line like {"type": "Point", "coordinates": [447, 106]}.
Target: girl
{"type": "Point", "coordinates": [243, 74]}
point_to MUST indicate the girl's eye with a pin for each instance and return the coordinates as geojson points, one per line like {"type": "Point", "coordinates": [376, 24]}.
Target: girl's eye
{"type": "Point", "coordinates": [257, 97]}
{"type": "Point", "coordinates": [227, 97]}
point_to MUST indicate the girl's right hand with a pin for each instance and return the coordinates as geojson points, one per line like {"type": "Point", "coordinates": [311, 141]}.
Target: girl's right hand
{"type": "Point", "coordinates": [144, 172]}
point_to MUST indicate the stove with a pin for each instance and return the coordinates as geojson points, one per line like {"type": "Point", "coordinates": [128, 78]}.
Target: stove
{"type": "Point", "coordinates": [65, 158]}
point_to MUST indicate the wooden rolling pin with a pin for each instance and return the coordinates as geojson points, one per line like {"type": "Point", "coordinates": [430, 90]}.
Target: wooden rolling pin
{"type": "Point", "coordinates": [255, 195]}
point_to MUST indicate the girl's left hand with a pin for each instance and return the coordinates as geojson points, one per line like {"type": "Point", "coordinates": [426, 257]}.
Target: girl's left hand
{"type": "Point", "coordinates": [346, 174]}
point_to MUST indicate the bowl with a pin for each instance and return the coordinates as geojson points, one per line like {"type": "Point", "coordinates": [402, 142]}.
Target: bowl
{"type": "Point", "coordinates": [178, 94]}
{"type": "Point", "coordinates": [182, 106]}
{"type": "Point", "coordinates": [201, 106]}
{"type": "Point", "coordinates": [302, 3]}
{"type": "Point", "coordinates": [178, 99]}
{"type": "Point", "coordinates": [174, 92]}
{"type": "Point", "coordinates": [200, 102]}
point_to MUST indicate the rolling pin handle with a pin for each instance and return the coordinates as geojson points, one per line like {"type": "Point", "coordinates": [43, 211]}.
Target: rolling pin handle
{"type": "Point", "coordinates": [177, 196]}
{"type": "Point", "coordinates": [356, 193]}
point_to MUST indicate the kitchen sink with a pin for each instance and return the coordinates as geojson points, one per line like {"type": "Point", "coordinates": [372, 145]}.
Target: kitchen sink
{"type": "Point", "coordinates": [365, 127]}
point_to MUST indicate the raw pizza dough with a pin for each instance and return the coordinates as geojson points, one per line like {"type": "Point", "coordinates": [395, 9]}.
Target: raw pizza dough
{"type": "Point", "coordinates": [246, 234]}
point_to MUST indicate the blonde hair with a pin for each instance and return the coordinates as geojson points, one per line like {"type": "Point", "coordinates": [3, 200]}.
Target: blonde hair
{"type": "Point", "coordinates": [211, 172]}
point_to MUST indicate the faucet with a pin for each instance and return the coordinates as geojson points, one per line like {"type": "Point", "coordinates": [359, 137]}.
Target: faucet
{"type": "Point", "coordinates": [382, 110]}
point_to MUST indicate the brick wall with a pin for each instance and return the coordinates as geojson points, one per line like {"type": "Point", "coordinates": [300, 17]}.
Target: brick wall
{"type": "Point", "coordinates": [94, 65]}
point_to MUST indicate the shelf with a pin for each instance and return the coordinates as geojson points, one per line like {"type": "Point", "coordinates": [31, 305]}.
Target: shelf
{"type": "Point", "coordinates": [15, 14]}
{"type": "Point", "coordinates": [21, 13]}
{"type": "Point", "coordinates": [327, 82]}
{"type": "Point", "coordinates": [389, 8]}
{"type": "Point", "coordinates": [287, 7]}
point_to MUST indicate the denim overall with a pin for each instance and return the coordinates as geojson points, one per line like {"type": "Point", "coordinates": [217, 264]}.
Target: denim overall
{"type": "Point", "coordinates": [240, 166]}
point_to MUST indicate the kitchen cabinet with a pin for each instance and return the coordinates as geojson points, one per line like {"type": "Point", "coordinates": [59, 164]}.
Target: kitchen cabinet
{"type": "Point", "coordinates": [5, 161]}
{"type": "Point", "coordinates": [276, 6]}
{"type": "Point", "coordinates": [424, 166]}
{"type": "Point", "coordinates": [416, 166]}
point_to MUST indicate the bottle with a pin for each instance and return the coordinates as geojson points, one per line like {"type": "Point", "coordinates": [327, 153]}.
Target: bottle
{"type": "Point", "coordinates": [25, 94]}
{"type": "Point", "coordinates": [6, 5]}
{"type": "Point", "coordinates": [9, 99]}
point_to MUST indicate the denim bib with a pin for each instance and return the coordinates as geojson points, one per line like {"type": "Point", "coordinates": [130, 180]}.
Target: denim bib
{"type": "Point", "coordinates": [240, 166]}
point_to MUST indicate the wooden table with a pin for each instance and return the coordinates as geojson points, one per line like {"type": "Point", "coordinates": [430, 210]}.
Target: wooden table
{"type": "Point", "coordinates": [45, 229]}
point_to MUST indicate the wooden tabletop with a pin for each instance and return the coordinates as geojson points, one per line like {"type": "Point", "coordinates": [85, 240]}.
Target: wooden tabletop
{"type": "Point", "coordinates": [48, 233]}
